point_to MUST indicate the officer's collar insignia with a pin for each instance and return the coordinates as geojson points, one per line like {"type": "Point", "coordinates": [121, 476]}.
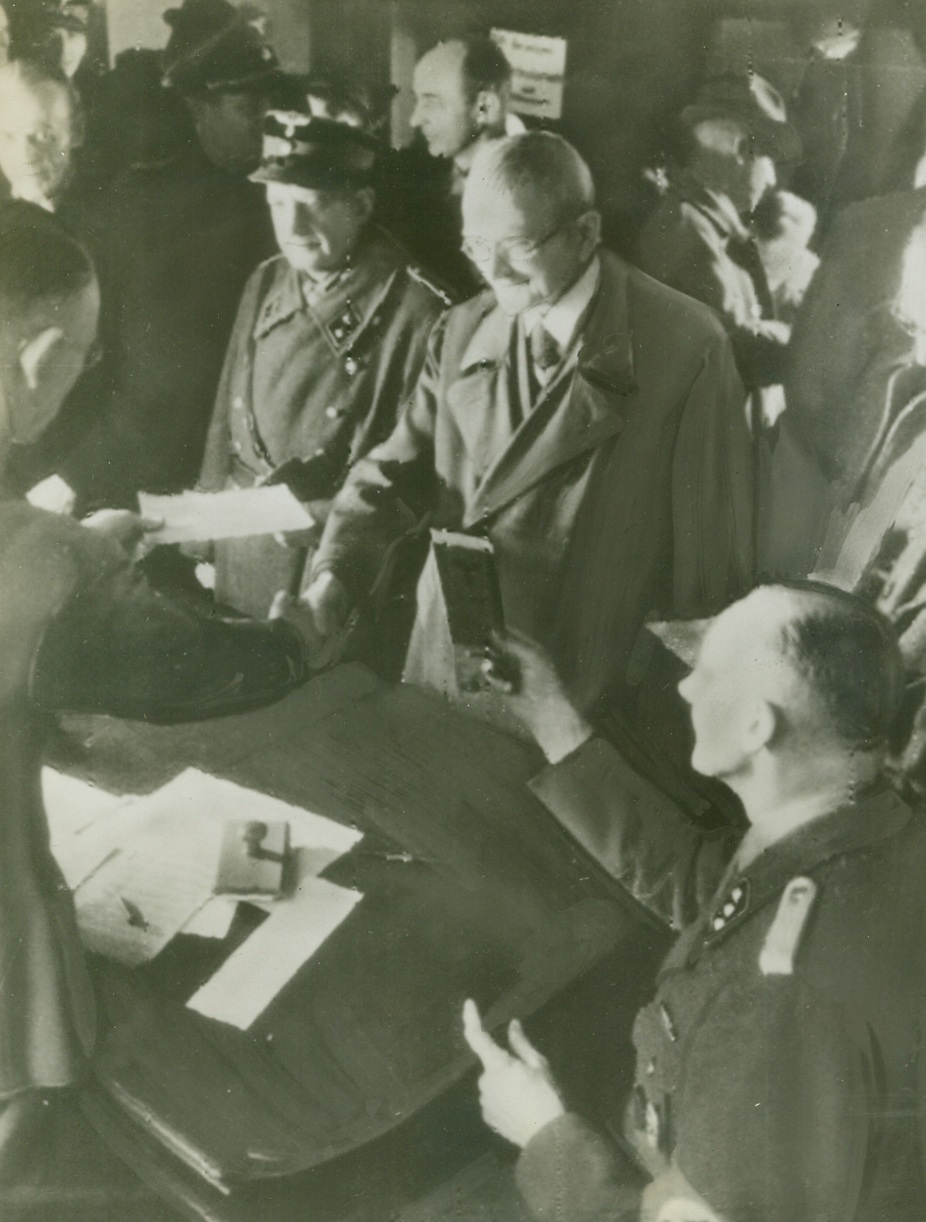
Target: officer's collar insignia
{"type": "Point", "coordinates": [733, 905]}
{"type": "Point", "coordinates": [343, 327]}
{"type": "Point", "coordinates": [784, 934]}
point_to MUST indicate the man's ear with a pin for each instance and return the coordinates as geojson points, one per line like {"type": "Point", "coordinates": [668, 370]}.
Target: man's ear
{"type": "Point", "coordinates": [488, 109]}
{"type": "Point", "coordinates": [366, 201]}
{"type": "Point", "coordinates": [760, 726]}
{"type": "Point", "coordinates": [590, 229]}
{"type": "Point", "coordinates": [34, 354]}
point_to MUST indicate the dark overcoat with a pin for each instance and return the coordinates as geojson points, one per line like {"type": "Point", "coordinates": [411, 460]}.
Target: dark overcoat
{"type": "Point", "coordinates": [80, 631]}
{"type": "Point", "coordinates": [628, 496]}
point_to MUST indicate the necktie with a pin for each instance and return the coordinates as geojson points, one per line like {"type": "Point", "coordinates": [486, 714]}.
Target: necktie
{"type": "Point", "coordinates": [545, 351]}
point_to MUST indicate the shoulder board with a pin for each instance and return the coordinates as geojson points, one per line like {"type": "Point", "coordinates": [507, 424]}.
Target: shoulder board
{"type": "Point", "coordinates": [429, 283]}
{"type": "Point", "coordinates": [784, 934]}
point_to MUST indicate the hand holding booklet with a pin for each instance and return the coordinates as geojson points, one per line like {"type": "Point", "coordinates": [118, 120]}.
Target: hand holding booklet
{"type": "Point", "coordinates": [202, 517]}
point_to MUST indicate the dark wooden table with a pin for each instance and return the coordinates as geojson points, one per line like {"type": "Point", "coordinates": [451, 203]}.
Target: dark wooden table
{"type": "Point", "coordinates": [496, 904]}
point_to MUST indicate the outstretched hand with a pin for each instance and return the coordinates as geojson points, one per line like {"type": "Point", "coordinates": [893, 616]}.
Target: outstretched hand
{"type": "Point", "coordinates": [128, 530]}
{"type": "Point", "coordinates": [521, 672]}
{"type": "Point", "coordinates": [517, 1091]}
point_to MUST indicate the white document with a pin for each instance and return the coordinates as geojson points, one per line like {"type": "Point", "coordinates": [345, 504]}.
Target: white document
{"type": "Point", "coordinates": [249, 980]}
{"type": "Point", "coordinates": [136, 901]}
{"type": "Point", "coordinates": [72, 804]}
{"type": "Point", "coordinates": [53, 495]}
{"type": "Point", "coordinates": [214, 919]}
{"type": "Point", "coordinates": [199, 517]}
{"type": "Point", "coordinates": [146, 868]}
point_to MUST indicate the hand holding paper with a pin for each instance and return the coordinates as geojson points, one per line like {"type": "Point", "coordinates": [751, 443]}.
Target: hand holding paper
{"type": "Point", "coordinates": [200, 517]}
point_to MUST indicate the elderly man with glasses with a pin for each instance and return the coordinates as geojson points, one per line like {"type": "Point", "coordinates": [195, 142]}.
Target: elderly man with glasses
{"type": "Point", "coordinates": [586, 420]}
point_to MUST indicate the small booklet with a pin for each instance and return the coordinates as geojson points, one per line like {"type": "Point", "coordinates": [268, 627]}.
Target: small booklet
{"type": "Point", "coordinates": [469, 581]}
{"type": "Point", "coordinates": [472, 595]}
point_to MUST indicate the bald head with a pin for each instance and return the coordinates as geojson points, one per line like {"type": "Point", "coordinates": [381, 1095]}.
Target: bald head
{"type": "Point", "coordinates": [37, 131]}
{"type": "Point", "coordinates": [798, 669]}
{"type": "Point", "coordinates": [539, 168]}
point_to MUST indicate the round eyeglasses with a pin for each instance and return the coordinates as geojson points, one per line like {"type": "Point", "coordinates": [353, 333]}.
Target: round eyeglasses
{"type": "Point", "coordinates": [514, 250]}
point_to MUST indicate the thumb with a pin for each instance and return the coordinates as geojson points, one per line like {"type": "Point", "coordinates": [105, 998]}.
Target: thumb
{"type": "Point", "coordinates": [523, 1048]}
{"type": "Point", "coordinates": [477, 1037]}
{"type": "Point", "coordinates": [282, 602]}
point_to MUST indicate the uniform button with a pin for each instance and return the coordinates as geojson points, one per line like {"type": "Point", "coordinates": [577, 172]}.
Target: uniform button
{"type": "Point", "coordinates": [236, 446]}
{"type": "Point", "coordinates": [331, 413]}
{"type": "Point", "coordinates": [718, 923]}
{"type": "Point", "coordinates": [729, 909]}
{"type": "Point", "coordinates": [319, 453]}
{"type": "Point", "coordinates": [736, 894]}
{"type": "Point", "coordinates": [650, 1068]}
{"type": "Point", "coordinates": [238, 403]}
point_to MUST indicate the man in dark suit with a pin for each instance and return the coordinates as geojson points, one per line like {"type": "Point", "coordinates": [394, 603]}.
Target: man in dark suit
{"type": "Point", "coordinates": [777, 1065]}
{"type": "Point", "coordinates": [586, 419]}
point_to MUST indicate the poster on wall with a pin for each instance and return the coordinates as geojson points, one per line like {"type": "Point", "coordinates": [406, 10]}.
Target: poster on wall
{"type": "Point", "coordinates": [538, 65]}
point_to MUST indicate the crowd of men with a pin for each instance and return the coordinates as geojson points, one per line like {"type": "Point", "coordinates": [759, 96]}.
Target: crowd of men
{"type": "Point", "coordinates": [214, 275]}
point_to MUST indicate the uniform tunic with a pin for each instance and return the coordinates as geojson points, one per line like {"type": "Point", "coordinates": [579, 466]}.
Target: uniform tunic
{"type": "Point", "coordinates": [778, 1067]}
{"type": "Point", "coordinates": [81, 632]}
{"type": "Point", "coordinates": [316, 376]}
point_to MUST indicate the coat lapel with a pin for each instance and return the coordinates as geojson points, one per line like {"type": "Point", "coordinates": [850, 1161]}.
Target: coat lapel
{"type": "Point", "coordinates": [592, 409]}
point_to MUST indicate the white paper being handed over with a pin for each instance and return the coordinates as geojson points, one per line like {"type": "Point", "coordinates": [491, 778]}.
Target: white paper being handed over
{"type": "Point", "coordinates": [200, 517]}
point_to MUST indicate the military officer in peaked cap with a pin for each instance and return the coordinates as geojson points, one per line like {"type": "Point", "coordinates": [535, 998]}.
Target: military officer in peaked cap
{"type": "Point", "coordinates": [328, 343]}
{"type": "Point", "coordinates": [779, 1065]}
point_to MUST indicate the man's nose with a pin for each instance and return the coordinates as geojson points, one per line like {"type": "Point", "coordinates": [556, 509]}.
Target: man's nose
{"type": "Point", "coordinates": [684, 689]}
{"type": "Point", "coordinates": [497, 264]}
{"type": "Point", "coordinates": [301, 221]}
{"type": "Point", "coordinates": [415, 118]}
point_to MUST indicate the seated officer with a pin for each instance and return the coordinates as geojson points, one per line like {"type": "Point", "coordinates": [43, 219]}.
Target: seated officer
{"type": "Point", "coordinates": [586, 419]}
{"type": "Point", "coordinates": [329, 341]}
{"type": "Point", "coordinates": [79, 631]}
{"type": "Point", "coordinates": [777, 1075]}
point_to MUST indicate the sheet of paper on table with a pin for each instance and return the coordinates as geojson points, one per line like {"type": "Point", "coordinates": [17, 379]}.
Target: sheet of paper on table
{"type": "Point", "coordinates": [252, 976]}
{"type": "Point", "coordinates": [199, 517]}
{"type": "Point", "coordinates": [147, 869]}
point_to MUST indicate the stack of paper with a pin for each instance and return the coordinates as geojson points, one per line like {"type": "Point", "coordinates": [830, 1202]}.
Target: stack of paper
{"type": "Point", "coordinates": [144, 868]}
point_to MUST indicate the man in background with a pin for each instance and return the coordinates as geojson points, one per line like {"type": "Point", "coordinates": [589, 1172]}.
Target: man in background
{"type": "Point", "coordinates": [174, 243]}
{"type": "Point", "coordinates": [462, 96]}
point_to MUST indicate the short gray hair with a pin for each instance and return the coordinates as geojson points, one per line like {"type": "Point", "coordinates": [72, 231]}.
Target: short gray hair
{"type": "Point", "coordinates": [539, 164]}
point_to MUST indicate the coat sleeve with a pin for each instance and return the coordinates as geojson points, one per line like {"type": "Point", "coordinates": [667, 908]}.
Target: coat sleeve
{"type": "Point", "coordinates": [388, 490]}
{"type": "Point", "coordinates": [640, 834]}
{"type": "Point", "coordinates": [713, 490]}
{"type": "Point", "coordinates": [118, 647]}
{"type": "Point", "coordinates": [569, 1172]}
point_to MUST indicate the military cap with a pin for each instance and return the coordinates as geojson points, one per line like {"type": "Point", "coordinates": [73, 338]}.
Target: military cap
{"type": "Point", "coordinates": [756, 104]}
{"type": "Point", "coordinates": [303, 151]}
{"type": "Point", "coordinates": [213, 49]}
{"type": "Point", "coordinates": [64, 15]}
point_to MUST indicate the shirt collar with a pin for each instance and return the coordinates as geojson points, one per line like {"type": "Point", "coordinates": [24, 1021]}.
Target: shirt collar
{"type": "Point", "coordinates": [562, 317]}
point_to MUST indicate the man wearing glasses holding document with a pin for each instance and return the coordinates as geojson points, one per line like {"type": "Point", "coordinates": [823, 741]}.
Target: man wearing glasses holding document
{"type": "Point", "coordinates": [586, 420]}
